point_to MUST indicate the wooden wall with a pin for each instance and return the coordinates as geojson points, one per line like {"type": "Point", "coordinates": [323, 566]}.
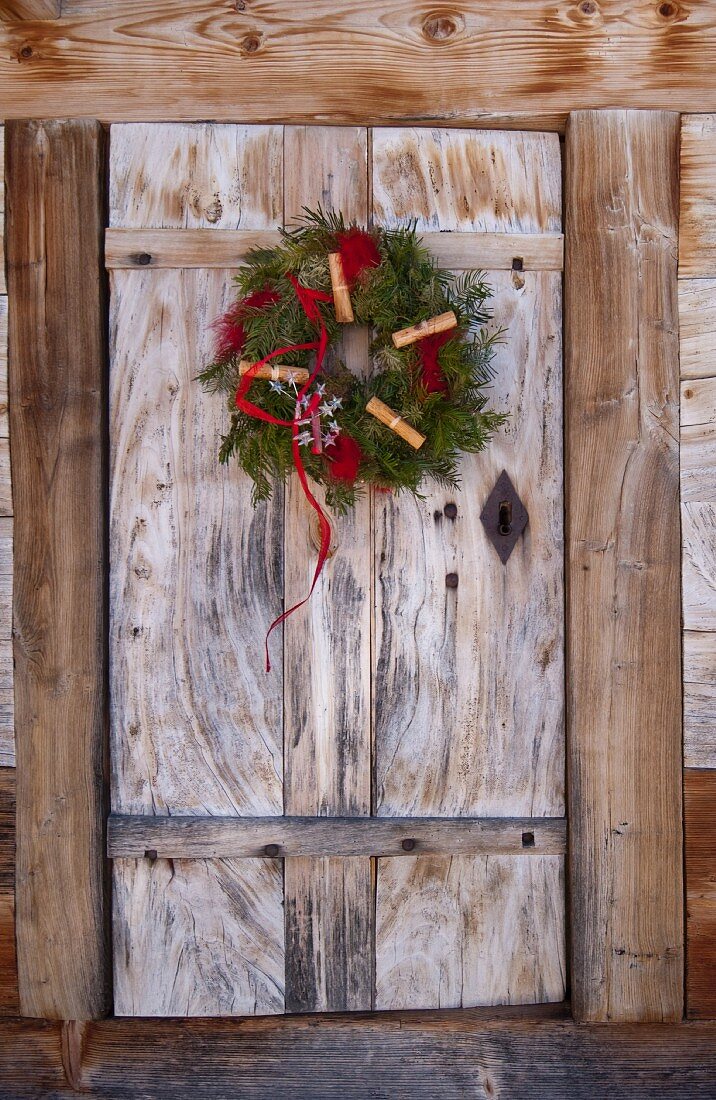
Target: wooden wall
{"type": "Point", "coordinates": [526, 62]}
{"type": "Point", "coordinates": [697, 319]}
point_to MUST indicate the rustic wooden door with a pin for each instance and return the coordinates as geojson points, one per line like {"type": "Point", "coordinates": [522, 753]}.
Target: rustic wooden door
{"type": "Point", "coordinates": [424, 680]}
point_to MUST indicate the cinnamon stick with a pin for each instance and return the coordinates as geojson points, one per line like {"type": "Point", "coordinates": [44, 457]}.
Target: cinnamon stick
{"type": "Point", "coordinates": [275, 372]}
{"type": "Point", "coordinates": [433, 325]}
{"type": "Point", "coordinates": [341, 292]}
{"type": "Point", "coordinates": [385, 414]}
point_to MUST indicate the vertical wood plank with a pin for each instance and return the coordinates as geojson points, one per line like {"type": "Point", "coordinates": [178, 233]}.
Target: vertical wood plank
{"type": "Point", "coordinates": [623, 675]}
{"type": "Point", "coordinates": [469, 692]}
{"type": "Point", "coordinates": [196, 724]}
{"type": "Point", "coordinates": [700, 846]}
{"type": "Point", "coordinates": [55, 188]}
{"type": "Point", "coordinates": [7, 720]}
{"type": "Point", "coordinates": [329, 909]}
{"type": "Point", "coordinates": [9, 1001]}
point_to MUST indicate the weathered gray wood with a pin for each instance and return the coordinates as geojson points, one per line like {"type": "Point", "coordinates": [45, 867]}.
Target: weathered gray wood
{"type": "Point", "coordinates": [699, 699]}
{"type": "Point", "coordinates": [232, 837]}
{"type": "Point", "coordinates": [623, 670]}
{"type": "Point", "coordinates": [196, 724]}
{"type": "Point", "coordinates": [55, 203]}
{"type": "Point", "coordinates": [469, 680]}
{"type": "Point", "coordinates": [223, 248]}
{"type": "Point", "coordinates": [327, 699]}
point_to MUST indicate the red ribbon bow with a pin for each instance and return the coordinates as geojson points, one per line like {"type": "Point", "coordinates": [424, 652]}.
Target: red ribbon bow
{"type": "Point", "coordinates": [309, 300]}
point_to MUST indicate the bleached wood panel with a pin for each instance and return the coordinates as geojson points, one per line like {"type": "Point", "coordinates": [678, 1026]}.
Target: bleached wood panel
{"type": "Point", "coordinates": [700, 698]}
{"type": "Point", "coordinates": [698, 577]}
{"type": "Point", "coordinates": [458, 932]}
{"type": "Point", "coordinates": [198, 938]}
{"type": "Point", "coordinates": [196, 175]}
{"type": "Point", "coordinates": [196, 725]}
{"type": "Point", "coordinates": [468, 689]}
{"type": "Point", "coordinates": [697, 327]}
{"type": "Point", "coordinates": [697, 212]}
{"type": "Point", "coordinates": [327, 700]}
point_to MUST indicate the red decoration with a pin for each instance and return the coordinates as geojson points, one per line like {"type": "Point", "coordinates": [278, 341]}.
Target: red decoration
{"type": "Point", "coordinates": [230, 333]}
{"type": "Point", "coordinates": [344, 456]}
{"type": "Point", "coordinates": [358, 252]}
{"type": "Point", "coordinates": [431, 375]}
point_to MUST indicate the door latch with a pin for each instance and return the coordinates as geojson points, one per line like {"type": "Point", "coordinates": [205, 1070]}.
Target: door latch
{"type": "Point", "coordinates": [504, 517]}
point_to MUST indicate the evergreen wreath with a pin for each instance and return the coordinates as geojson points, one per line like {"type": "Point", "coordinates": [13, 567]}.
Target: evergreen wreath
{"type": "Point", "coordinates": [420, 407]}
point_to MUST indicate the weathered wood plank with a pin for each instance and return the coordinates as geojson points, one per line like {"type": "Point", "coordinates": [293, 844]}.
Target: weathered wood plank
{"type": "Point", "coordinates": [231, 837]}
{"type": "Point", "coordinates": [327, 700]}
{"type": "Point", "coordinates": [698, 579]}
{"type": "Point", "coordinates": [196, 725]}
{"type": "Point", "coordinates": [132, 248]}
{"type": "Point", "coordinates": [520, 1054]}
{"type": "Point", "coordinates": [472, 677]}
{"type": "Point", "coordinates": [198, 938]}
{"type": "Point", "coordinates": [624, 693]}
{"type": "Point", "coordinates": [382, 60]}
{"type": "Point", "coordinates": [31, 9]}
{"type": "Point", "coordinates": [54, 180]}
{"type": "Point", "coordinates": [697, 215]}
{"type": "Point", "coordinates": [511, 950]}
{"type": "Point", "coordinates": [700, 862]}
{"type": "Point", "coordinates": [699, 699]}
{"type": "Point", "coordinates": [697, 327]}
{"type": "Point", "coordinates": [9, 1000]}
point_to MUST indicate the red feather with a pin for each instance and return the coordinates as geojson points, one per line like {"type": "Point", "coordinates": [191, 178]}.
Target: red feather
{"type": "Point", "coordinates": [431, 375]}
{"type": "Point", "coordinates": [230, 332]}
{"type": "Point", "coordinates": [344, 457]}
{"type": "Point", "coordinates": [358, 252]}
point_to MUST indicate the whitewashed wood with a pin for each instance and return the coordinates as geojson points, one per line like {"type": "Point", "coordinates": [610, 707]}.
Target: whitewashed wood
{"type": "Point", "coordinates": [698, 536]}
{"type": "Point", "coordinates": [472, 677]}
{"type": "Point", "coordinates": [469, 705]}
{"type": "Point", "coordinates": [195, 175]}
{"type": "Point", "coordinates": [463, 931]}
{"type": "Point", "coordinates": [196, 724]}
{"type": "Point", "coordinates": [198, 938]}
{"type": "Point", "coordinates": [226, 247]}
{"type": "Point", "coordinates": [508, 182]}
{"type": "Point", "coordinates": [697, 209]}
{"type": "Point", "coordinates": [239, 837]}
{"type": "Point", "coordinates": [327, 700]}
{"type": "Point", "coordinates": [698, 462]}
{"type": "Point", "coordinates": [698, 402]}
{"type": "Point", "coordinates": [697, 327]}
{"type": "Point", "coordinates": [699, 699]}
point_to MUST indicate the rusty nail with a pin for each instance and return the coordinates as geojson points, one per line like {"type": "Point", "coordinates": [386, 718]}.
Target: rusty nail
{"type": "Point", "coordinates": [151, 853]}
{"type": "Point", "coordinates": [451, 580]}
{"type": "Point", "coordinates": [450, 510]}
{"type": "Point", "coordinates": [408, 844]}
{"type": "Point", "coordinates": [528, 840]}
{"type": "Point", "coordinates": [143, 259]}
{"type": "Point", "coordinates": [271, 850]}
{"type": "Point", "coordinates": [518, 264]}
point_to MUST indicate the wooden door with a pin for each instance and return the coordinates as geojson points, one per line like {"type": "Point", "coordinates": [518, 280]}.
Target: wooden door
{"type": "Point", "coordinates": [425, 718]}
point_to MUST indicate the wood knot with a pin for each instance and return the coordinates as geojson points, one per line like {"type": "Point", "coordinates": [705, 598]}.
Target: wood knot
{"type": "Point", "coordinates": [441, 27]}
{"type": "Point", "coordinates": [25, 53]}
{"type": "Point", "coordinates": [668, 10]}
{"type": "Point", "coordinates": [314, 534]}
{"type": "Point", "coordinates": [251, 43]}
{"type": "Point", "coordinates": [588, 7]}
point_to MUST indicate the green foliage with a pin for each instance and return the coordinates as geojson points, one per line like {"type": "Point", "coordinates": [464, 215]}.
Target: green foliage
{"type": "Point", "coordinates": [403, 290]}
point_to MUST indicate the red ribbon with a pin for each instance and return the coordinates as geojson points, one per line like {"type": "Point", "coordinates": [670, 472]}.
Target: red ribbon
{"type": "Point", "coordinates": [309, 300]}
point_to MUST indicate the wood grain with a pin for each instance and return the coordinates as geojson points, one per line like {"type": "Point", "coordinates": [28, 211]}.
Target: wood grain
{"type": "Point", "coordinates": [196, 724]}
{"type": "Point", "coordinates": [698, 578]}
{"type": "Point", "coordinates": [31, 9]}
{"type": "Point", "coordinates": [379, 61]}
{"type": "Point", "coordinates": [697, 327]}
{"type": "Point", "coordinates": [477, 934]}
{"type": "Point", "coordinates": [232, 837]}
{"type": "Point", "coordinates": [697, 215]}
{"type": "Point", "coordinates": [327, 694]}
{"type": "Point", "coordinates": [472, 677]}
{"type": "Point", "coordinates": [700, 845]}
{"type": "Point", "coordinates": [623, 617]}
{"type": "Point", "coordinates": [9, 1000]}
{"type": "Point", "coordinates": [57, 398]}
{"type": "Point", "coordinates": [540, 1054]}
{"type": "Point", "coordinates": [699, 699]}
{"type": "Point", "coordinates": [198, 938]}
{"type": "Point", "coordinates": [223, 248]}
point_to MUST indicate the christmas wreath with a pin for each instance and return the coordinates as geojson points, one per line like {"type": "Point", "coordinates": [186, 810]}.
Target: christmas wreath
{"type": "Point", "coordinates": [420, 406]}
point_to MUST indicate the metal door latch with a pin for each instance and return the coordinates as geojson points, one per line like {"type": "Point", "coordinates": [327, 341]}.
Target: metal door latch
{"type": "Point", "coordinates": [504, 517]}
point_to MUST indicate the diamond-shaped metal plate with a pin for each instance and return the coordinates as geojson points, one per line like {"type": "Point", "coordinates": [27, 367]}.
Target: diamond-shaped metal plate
{"type": "Point", "coordinates": [504, 517]}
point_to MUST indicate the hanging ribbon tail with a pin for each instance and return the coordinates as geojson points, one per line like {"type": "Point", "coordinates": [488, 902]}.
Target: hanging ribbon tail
{"type": "Point", "coordinates": [309, 300]}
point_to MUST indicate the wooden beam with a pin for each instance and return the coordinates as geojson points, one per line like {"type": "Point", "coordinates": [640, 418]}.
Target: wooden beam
{"type": "Point", "coordinates": [234, 838]}
{"type": "Point", "coordinates": [623, 611]}
{"type": "Point", "coordinates": [9, 1005]}
{"type": "Point", "coordinates": [700, 844]}
{"type": "Point", "coordinates": [379, 61]}
{"type": "Point", "coordinates": [222, 248]}
{"type": "Point", "coordinates": [537, 1053]}
{"type": "Point", "coordinates": [57, 332]}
